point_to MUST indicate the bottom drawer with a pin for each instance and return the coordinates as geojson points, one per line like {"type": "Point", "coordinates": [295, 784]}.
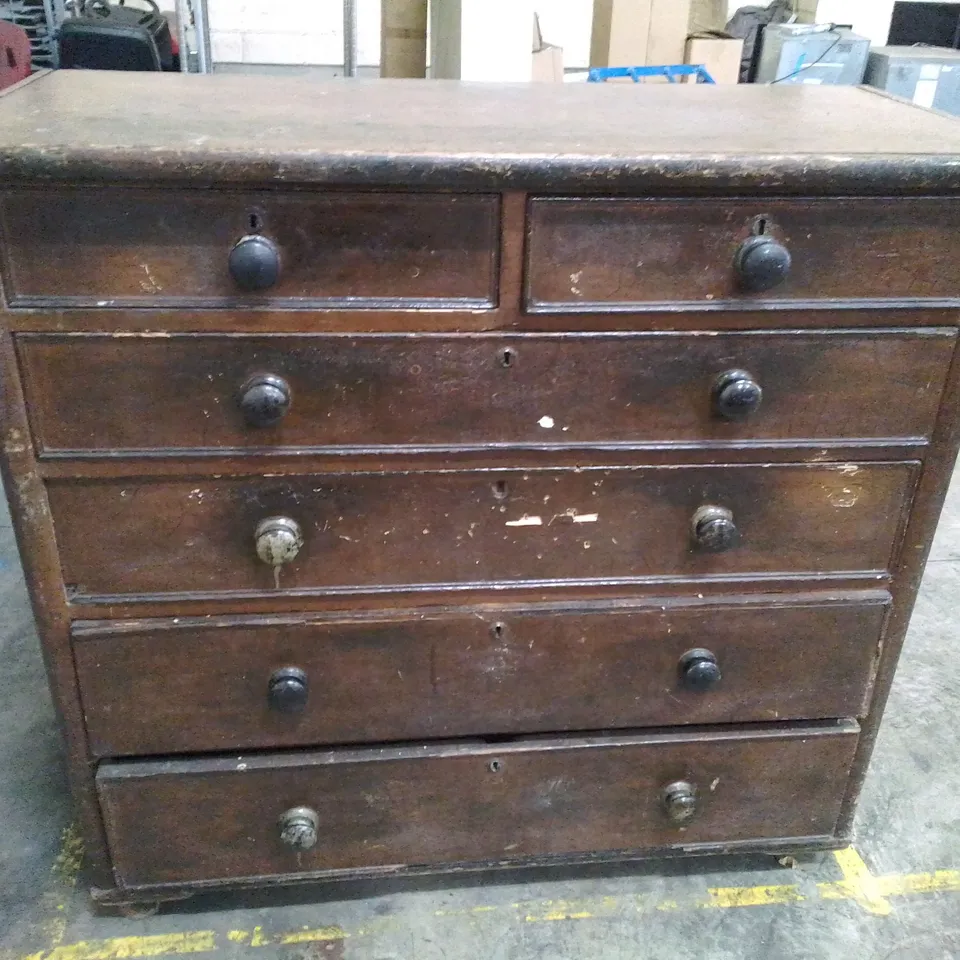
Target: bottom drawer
{"type": "Point", "coordinates": [223, 818]}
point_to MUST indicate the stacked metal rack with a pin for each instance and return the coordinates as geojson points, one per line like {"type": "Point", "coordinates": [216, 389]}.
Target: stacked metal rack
{"type": "Point", "coordinates": [40, 19]}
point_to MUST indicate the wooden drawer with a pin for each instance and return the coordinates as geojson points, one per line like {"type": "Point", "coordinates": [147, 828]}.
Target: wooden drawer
{"type": "Point", "coordinates": [103, 394]}
{"type": "Point", "coordinates": [455, 529]}
{"type": "Point", "coordinates": [244, 683]}
{"type": "Point", "coordinates": [623, 254]}
{"type": "Point", "coordinates": [114, 247]}
{"type": "Point", "coordinates": [220, 818]}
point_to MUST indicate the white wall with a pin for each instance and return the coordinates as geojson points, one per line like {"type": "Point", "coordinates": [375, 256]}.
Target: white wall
{"type": "Point", "coordinates": [311, 31]}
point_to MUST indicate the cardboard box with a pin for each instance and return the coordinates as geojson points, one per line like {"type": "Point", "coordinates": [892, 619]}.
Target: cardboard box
{"type": "Point", "coordinates": [637, 33]}
{"type": "Point", "coordinates": [547, 58]}
{"type": "Point", "coordinates": [720, 55]}
{"type": "Point", "coordinates": [707, 16]}
{"type": "Point", "coordinates": [403, 38]}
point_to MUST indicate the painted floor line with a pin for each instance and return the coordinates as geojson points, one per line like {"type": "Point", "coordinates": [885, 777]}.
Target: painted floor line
{"type": "Point", "coordinates": [857, 885]}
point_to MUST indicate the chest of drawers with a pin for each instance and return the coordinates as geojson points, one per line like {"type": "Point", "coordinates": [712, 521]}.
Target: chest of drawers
{"type": "Point", "coordinates": [415, 476]}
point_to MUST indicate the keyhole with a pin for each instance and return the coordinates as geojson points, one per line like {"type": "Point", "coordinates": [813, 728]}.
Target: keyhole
{"type": "Point", "coordinates": [495, 766]}
{"type": "Point", "coordinates": [759, 226]}
{"type": "Point", "coordinates": [508, 357]}
{"type": "Point", "coordinates": [498, 630]}
{"type": "Point", "coordinates": [256, 224]}
{"type": "Point", "coordinates": [500, 490]}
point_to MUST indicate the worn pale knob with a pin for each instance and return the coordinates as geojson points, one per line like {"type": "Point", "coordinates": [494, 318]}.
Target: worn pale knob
{"type": "Point", "coordinates": [278, 540]}
{"type": "Point", "coordinates": [679, 801]}
{"type": "Point", "coordinates": [713, 529]}
{"type": "Point", "coordinates": [299, 828]}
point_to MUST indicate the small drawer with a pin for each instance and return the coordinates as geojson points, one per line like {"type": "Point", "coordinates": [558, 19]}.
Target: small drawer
{"type": "Point", "coordinates": [349, 533]}
{"type": "Point", "coordinates": [221, 818]}
{"type": "Point", "coordinates": [91, 394]}
{"type": "Point", "coordinates": [245, 683]}
{"type": "Point", "coordinates": [623, 255]}
{"type": "Point", "coordinates": [116, 247]}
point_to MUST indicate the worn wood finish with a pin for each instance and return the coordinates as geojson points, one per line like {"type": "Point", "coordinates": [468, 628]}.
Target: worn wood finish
{"type": "Point", "coordinates": [601, 254]}
{"type": "Point", "coordinates": [33, 528]}
{"type": "Point", "coordinates": [109, 395]}
{"type": "Point", "coordinates": [196, 820]}
{"type": "Point", "coordinates": [506, 317]}
{"type": "Point", "coordinates": [115, 247]}
{"type": "Point", "coordinates": [404, 531]}
{"type": "Point", "coordinates": [175, 688]}
{"type": "Point", "coordinates": [497, 546]}
{"type": "Point", "coordinates": [571, 138]}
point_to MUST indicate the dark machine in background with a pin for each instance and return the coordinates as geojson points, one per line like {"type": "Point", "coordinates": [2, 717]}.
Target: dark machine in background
{"type": "Point", "coordinates": [934, 24]}
{"type": "Point", "coordinates": [107, 36]}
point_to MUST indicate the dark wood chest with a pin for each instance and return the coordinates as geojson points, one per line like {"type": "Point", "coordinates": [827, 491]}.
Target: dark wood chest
{"type": "Point", "coordinates": [415, 476]}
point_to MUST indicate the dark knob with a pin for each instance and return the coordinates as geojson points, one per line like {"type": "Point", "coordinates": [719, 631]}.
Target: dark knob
{"type": "Point", "coordinates": [264, 400]}
{"type": "Point", "coordinates": [714, 530]}
{"type": "Point", "coordinates": [699, 669]}
{"type": "Point", "coordinates": [761, 264]}
{"type": "Point", "coordinates": [254, 263]}
{"type": "Point", "coordinates": [299, 828]}
{"type": "Point", "coordinates": [736, 395]}
{"type": "Point", "coordinates": [288, 689]}
{"type": "Point", "coordinates": [679, 801]}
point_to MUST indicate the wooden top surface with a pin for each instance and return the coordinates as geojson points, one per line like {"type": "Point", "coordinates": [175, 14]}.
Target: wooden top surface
{"type": "Point", "coordinates": [585, 137]}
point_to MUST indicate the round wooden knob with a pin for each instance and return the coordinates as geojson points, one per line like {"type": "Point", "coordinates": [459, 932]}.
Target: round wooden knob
{"type": "Point", "coordinates": [299, 828]}
{"type": "Point", "coordinates": [714, 530]}
{"type": "Point", "coordinates": [287, 690]}
{"type": "Point", "coordinates": [679, 801]}
{"type": "Point", "coordinates": [278, 540]}
{"type": "Point", "coordinates": [736, 395]}
{"type": "Point", "coordinates": [699, 669]}
{"type": "Point", "coordinates": [254, 263]}
{"type": "Point", "coordinates": [761, 264]}
{"type": "Point", "coordinates": [265, 400]}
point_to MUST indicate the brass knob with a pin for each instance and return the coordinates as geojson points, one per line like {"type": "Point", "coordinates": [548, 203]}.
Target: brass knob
{"type": "Point", "coordinates": [736, 395]}
{"type": "Point", "coordinates": [278, 540]}
{"type": "Point", "coordinates": [264, 400]}
{"type": "Point", "coordinates": [298, 828]}
{"type": "Point", "coordinates": [679, 801]}
{"type": "Point", "coordinates": [713, 529]}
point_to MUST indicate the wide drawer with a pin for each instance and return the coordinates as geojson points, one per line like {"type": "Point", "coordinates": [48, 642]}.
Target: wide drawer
{"type": "Point", "coordinates": [222, 817]}
{"type": "Point", "coordinates": [623, 254]}
{"type": "Point", "coordinates": [244, 683]}
{"type": "Point", "coordinates": [115, 246]}
{"type": "Point", "coordinates": [226, 393]}
{"type": "Point", "coordinates": [455, 529]}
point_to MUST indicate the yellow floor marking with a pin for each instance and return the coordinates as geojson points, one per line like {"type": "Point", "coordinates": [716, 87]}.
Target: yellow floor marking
{"type": "Point", "coordinates": [858, 884]}
{"type": "Point", "coordinates": [911, 883]}
{"type": "Point", "coordinates": [753, 896]}
{"type": "Point", "coordinates": [126, 948]}
{"type": "Point", "coordinates": [569, 909]}
{"type": "Point", "coordinates": [312, 936]}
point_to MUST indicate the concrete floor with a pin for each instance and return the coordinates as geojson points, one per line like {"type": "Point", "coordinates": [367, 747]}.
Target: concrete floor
{"type": "Point", "coordinates": [895, 895]}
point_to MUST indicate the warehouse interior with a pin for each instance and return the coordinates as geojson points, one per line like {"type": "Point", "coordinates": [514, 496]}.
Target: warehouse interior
{"type": "Point", "coordinates": [871, 387]}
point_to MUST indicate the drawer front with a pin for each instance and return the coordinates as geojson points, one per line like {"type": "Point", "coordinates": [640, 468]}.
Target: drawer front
{"type": "Point", "coordinates": [96, 393]}
{"type": "Point", "coordinates": [213, 818]}
{"type": "Point", "coordinates": [245, 684]}
{"type": "Point", "coordinates": [111, 247]}
{"type": "Point", "coordinates": [629, 254]}
{"type": "Point", "coordinates": [467, 528]}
